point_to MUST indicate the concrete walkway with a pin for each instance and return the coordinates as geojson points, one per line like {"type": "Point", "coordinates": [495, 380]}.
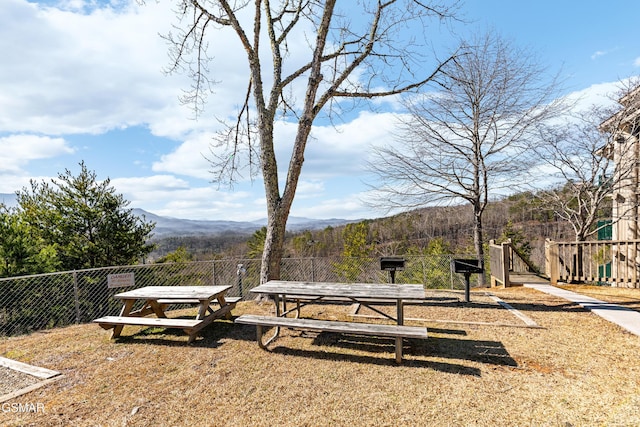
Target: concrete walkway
{"type": "Point", "coordinates": [624, 317]}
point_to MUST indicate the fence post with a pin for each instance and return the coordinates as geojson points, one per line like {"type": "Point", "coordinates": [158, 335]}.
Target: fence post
{"type": "Point", "coordinates": [213, 272]}
{"type": "Point", "coordinates": [241, 270]}
{"type": "Point", "coordinates": [493, 261]}
{"type": "Point", "coordinates": [551, 261]}
{"type": "Point", "coordinates": [424, 272]}
{"type": "Point", "coordinates": [451, 272]}
{"type": "Point", "coordinates": [76, 296]}
{"type": "Point", "coordinates": [506, 261]}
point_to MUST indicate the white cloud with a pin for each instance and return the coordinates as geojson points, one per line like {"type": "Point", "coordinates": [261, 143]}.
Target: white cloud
{"type": "Point", "coordinates": [10, 183]}
{"type": "Point", "coordinates": [88, 66]}
{"type": "Point", "coordinates": [188, 159]}
{"type": "Point", "coordinates": [331, 150]}
{"type": "Point", "coordinates": [344, 149]}
{"type": "Point", "coordinates": [17, 150]}
{"type": "Point", "coordinates": [309, 189]}
{"type": "Point", "coordinates": [207, 203]}
{"type": "Point", "coordinates": [149, 184]}
{"type": "Point", "coordinates": [170, 196]}
{"type": "Point", "coordinates": [636, 62]}
{"type": "Point", "coordinates": [599, 53]}
{"type": "Point", "coordinates": [98, 70]}
{"type": "Point", "coordinates": [68, 77]}
{"type": "Point", "coordinates": [596, 94]}
{"type": "Point", "coordinates": [346, 208]}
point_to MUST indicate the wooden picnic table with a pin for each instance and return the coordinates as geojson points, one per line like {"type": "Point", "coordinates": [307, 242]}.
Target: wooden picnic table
{"type": "Point", "coordinates": [157, 298]}
{"type": "Point", "coordinates": [362, 293]}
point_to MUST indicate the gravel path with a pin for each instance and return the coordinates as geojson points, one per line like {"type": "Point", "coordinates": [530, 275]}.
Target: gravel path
{"type": "Point", "coordinates": [12, 380]}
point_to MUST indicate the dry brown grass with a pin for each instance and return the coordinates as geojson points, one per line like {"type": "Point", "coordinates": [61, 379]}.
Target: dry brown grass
{"type": "Point", "coordinates": [576, 370]}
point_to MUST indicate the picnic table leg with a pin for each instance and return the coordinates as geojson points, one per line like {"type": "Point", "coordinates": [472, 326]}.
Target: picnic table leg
{"type": "Point", "coordinates": [276, 299]}
{"type": "Point", "coordinates": [202, 310]}
{"type": "Point", "coordinates": [400, 319]}
{"type": "Point", "coordinates": [125, 311]}
{"type": "Point", "coordinates": [398, 349]}
{"type": "Point", "coordinates": [156, 308]}
{"type": "Point", "coordinates": [400, 312]}
{"type": "Point", "coordinates": [259, 337]}
{"type": "Point", "coordinates": [223, 303]}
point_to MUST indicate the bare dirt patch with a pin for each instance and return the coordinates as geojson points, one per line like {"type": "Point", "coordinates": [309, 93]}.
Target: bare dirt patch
{"type": "Point", "coordinates": [577, 369]}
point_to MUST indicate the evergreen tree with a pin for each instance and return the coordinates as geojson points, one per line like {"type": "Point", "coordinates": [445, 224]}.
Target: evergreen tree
{"type": "Point", "coordinates": [22, 253]}
{"type": "Point", "coordinates": [86, 220]}
{"type": "Point", "coordinates": [181, 254]}
{"type": "Point", "coordinates": [256, 243]}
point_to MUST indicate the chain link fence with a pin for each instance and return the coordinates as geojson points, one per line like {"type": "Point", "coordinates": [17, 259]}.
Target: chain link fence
{"type": "Point", "coordinates": [32, 303]}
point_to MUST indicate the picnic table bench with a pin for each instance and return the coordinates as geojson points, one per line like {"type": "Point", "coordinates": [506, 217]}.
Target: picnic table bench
{"type": "Point", "coordinates": [396, 331]}
{"type": "Point", "coordinates": [317, 291]}
{"type": "Point", "coordinates": [157, 298]}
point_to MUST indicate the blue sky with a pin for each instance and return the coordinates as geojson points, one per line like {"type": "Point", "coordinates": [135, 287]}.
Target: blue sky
{"type": "Point", "coordinates": [82, 80]}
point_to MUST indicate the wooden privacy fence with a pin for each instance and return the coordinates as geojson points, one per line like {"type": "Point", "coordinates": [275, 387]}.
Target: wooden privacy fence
{"type": "Point", "coordinates": [614, 262]}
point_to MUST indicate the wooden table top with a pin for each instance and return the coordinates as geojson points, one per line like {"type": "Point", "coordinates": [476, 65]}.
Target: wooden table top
{"type": "Point", "coordinates": [174, 292]}
{"type": "Point", "coordinates": [348, 290]}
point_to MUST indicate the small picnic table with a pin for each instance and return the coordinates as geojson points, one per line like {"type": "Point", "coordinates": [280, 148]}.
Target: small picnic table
{"type": "Point", "coordinates": [157, 298]}
{"type": "Point", "coordinates": [362, 293]}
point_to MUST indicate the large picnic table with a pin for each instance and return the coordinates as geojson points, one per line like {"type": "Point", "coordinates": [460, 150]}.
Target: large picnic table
{"type": "Point", "coordinates": [157, 298]}
{"type": "Point", "coordinates": [366, 294]}
{"type": "Point", "coordinates": [362, 293]}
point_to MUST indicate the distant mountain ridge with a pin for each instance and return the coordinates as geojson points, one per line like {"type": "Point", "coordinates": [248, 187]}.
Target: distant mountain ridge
{"type": "Point", "coordinates": [169, 227]}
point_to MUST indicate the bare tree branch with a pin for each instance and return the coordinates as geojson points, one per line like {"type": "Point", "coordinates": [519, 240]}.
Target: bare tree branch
{"type": "Point", "coordinates": [379, 54]}
{"type": "Point", "coordinates": [469, 139]}
{"type": "Point", "coordinates": [594, 156]}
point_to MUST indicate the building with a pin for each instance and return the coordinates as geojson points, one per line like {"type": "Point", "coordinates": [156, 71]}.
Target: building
{"type": "Point", "coordinates": [624, 149]}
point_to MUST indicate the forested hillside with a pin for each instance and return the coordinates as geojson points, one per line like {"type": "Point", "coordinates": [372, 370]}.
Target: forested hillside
{"type": "Point", "coordinates": [518, 217]}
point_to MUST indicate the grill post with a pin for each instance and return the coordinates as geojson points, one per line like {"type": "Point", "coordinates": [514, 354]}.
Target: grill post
{"type": "Point", "coordinates": [392, 264]}
{"type": "Point", "coordinates": [466, 267]}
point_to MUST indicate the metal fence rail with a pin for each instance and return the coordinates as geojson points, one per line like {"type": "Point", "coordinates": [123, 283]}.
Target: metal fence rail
{"type": "Point", "coordinates": [32, 303]}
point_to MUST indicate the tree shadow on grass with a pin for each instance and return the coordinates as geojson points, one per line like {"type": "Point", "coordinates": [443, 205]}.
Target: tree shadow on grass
{"type": "Point", "coordinates": [390, 361]}
{"type": "Point", "coordinates": [564, 307]}
{"type": "Point", "coordinates": [458, 304]}
{"type": "Point", "coordinates": [481, 351]}
{"type": "Point", "coordinates": [487, 352]}
{"type": "Point", "coordinates": [453, 348]}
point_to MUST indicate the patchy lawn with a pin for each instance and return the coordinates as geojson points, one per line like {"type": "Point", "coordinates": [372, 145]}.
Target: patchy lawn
{"type": "Point", "coordinates": [480, 366]}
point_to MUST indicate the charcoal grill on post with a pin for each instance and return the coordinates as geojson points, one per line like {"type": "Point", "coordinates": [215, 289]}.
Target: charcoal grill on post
{"type": "Point", "coordinates": [466, 267]}
{"type": "Point", "coordinates": [392, 264]}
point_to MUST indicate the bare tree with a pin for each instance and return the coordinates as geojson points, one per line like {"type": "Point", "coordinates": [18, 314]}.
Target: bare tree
{"type": "Point", "coordinates": [371, 55]}
{"type": "Point", "coordinates": [470, 138]}
{"type": "Point", "coordinates": [593, 154]}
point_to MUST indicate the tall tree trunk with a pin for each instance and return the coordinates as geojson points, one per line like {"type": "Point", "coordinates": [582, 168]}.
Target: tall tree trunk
{"type": "Point", "coordinates": [478, 236]}
{"type": "Point", "coordinates": [278, 207]}
{"type": "Point", "coordinates": [273, 245]}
